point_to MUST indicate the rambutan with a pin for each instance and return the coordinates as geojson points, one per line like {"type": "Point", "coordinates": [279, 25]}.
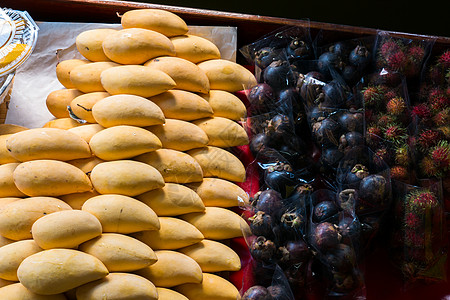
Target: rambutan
{"type": "Point", "coordinates": [396, 61]}
{"type": "Point", "coordinates": [427, 139]}
{"type": "Point", "coordinates": [439, 103]}
{"type": "Point", "coordinates": [373, 95]}
{"type": "Point", "coordinates": [373, 135]}
{"type": "Point", "coordinates": [413, 238]}
{"type": "Point", "coordinates": [388, 47]}
{"type": "Point", "coordinates": [402, 156]}
{"type": "Point", "coordinates": [419, 200]}
{"type": "Point", "coordinates": [440, 154]}
{"type": "Point", "coordinates": [383, 155]}
{"type": "Point", "coordinates": [396, 106]}
{"type": "Point", "coordinates": [421, 111]}
{"type": "Point", "coordinates": [416, 53]}
{"type": "Point", "coordinates": [399, 173]}
{"type": "Point", "coordinates": [386, 119]}
{"type": "Point", "coordinates": [444, 59]}
{"type": "Point", "coordinates": [412, 220]}
{"type": "Point", "coordinates": [428, 168]}
{"type": "Point", "coordinates": [445, 131]}
{"type": "Point", "coordinates": [395, 133]}
{"type": "Point", "coordinates": [390, 94]}
{"type": "Point", "coordinates": [442, 118]}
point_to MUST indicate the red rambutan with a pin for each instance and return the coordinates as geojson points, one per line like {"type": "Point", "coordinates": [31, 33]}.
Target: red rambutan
{"type": "Point", "coordinates": [399, 173]}
{"type": "Point", "coordinates": [421, 111]}
{"type": "Point", "coordinates": [386, 119]}
{"type": "Point", "coordinates": [396, 106]}
{"type": "Point", "coordinates": [388, 47]}
{"type": "Point", "coordinates": [440, 154]}
{"type": "Point", "coordinates": [374, 95]}
{"type": "Point", "coordinates": [395, 133]}
{"type": "Point", "coordinates": [396, 61]}
{"type": "Point", "coordinates": [416, 53]}
{"type": "Point", "coordinates": [439, 103]}
{"type": "Point", "coordinates": [402, 155]}
{"type": "Point", "coordinates": [442, 118]}
{"type": "Point", "coordinates": [428, 168]}
{"type": "Point", "coordinates": [413, 238]}
{"type": "Point", "coordinates": [427, 139]}
{"type": "Point", "coordinates": [412, 220]}
{"type": "Point", "coordinates": [444, 59]}
{"type": "Point", "coordinates": [373, 135]}
{"type": "Point", "coordinates": [418, 201]}
{"type": "Point", "coordinates": [382, 154]}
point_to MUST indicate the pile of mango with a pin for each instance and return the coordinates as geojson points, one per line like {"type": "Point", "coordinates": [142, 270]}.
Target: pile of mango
{"type": "Point", "coordinates": [129, 192]}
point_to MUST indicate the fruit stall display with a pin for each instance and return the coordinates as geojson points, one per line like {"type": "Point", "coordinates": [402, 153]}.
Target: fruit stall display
{"type": "Point", "coordinates": [310, 169]}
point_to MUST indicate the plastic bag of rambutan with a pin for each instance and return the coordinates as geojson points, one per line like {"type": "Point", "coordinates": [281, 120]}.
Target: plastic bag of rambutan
{"type": "Point", "coordinates": [419, 244]}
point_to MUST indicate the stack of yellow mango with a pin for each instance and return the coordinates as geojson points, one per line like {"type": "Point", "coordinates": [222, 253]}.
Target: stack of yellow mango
{"type": "Point", "coordinates": [126, 194]}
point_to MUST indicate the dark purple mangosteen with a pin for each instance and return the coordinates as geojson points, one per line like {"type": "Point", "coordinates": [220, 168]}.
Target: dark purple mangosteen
{"type": "Point", "coordinates": [292, 224]}
{"type": "Point", "coordinates": [298, 48]}
{"type": "Point", "coordinates": [350, 140]}
{"type": "Point", "coordinates": [341, 259]}
{"type": "Point", "coordinates": [373, 190]}
{"type": "Point", "coordinates": [334, 95]}
{"type": "Point", "coordinates": [325, 236]}
{"type": "Point", "coordinates": [351, 74]}
{"type": "Point", "coordinates": [329, 61]}
{"type": "Point", "coordinates": [257, 292]}
{"type": "Point", "coordinates": [260, 142]}
{"type": "Point", "coordinates": [331, 156]}
{"type": "Point", "coordinates": [277, 291]}
{"type": "Point", "coordinates": [288, 99]}
{"type": "Point", "coordinates": [359, 57]}
{"type": "Point", "coordinates": [279, 75]}
{"type": "Point", "coordinates": [261, 98]}
{"type": "Point", "coordinates": [324, 210]}
{"type": "Point", "coordinates": [265, 56]}
{"type": "Point", "coordinates": [268, 201]}
{"type": "Point", "coordinates": [279, 177]}
{"type": "Point", "coordinates": [351, 120]}
{"type": "Point", "coordinates": [341, 49]}
{"type": "Point", "coordinates": [327, 132]}
{"type": "Point", "coordinates": [279, 127]}
{"type": "Point", "coordinates": [356, 174]}
{"type": "Point", "coordinates": [261, 224]}
{"type": "Point", "coordinates": [350, 230]}
{"type": "Point", "coordinates": [295, 252]}
{"type": "Point", "coordinates": [263, 249]}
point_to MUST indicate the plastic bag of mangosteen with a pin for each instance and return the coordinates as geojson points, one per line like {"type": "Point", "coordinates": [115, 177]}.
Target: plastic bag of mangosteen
{"type": "Point", "coordinates": [418, 239]}
{"type": "Point", "coordinates": [334, 234]}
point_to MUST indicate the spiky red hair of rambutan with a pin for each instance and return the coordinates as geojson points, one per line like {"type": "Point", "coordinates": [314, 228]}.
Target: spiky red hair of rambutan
{"type": "Point", "coordinates": [399, 173]}
{"type": "Point", "coordinates": [444, 59]}
{"type": "Point", "coordinates": [427, 139]}
{"type": "Point", "coordinates": [374, 95]}
{"type": "Point", "coordinates": [440, 154]}
{"type": "Point", "coordinates": [421, 111]}
{"type": "Point", "coordinates": [416, 53]}
{"type": "Point", "coordinates": [442, 117]}
{"type": "Point", "coordinates": [396, 61]}
{"type": "Point", "coordinates": [417, 201]}
{"type": "Point", "coordinates": [396, 106]}
{"type": "Point", "coordinates": [395, 133]}
{"type": "Point", "coordinates": [388, 47]}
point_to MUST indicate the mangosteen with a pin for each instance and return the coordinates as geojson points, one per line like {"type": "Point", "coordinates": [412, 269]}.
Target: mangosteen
{"type": "Point", "coordinates": [350, 140]}
{"type": "Point", "coordinates": [279, 127]}
{"type": "Point", "coordinates": [373, 191]}
{"type": "Point", "coordinates": [350, 74]}
{"type": "Point", "coordinates": [359, 57]}
{"type": "Point", "coordinates": [261, 98]}
{"type": "Point", "coordinates": [327, 132]}
{"type": "Point", "coordinates": [268, 201]}
{"type": "Point", "coordinates": [325, 236]}
{"type": "Point", "coordinates": [288, 99]}
{"type": "Point", "coordinates": [279, 75]}
{"type": "Point", "coordinates": [279, 177]}
{"type": "Point", "coordinates": [350, 230]}
{"type": "Point", "coordinates": [345, 282]}
{"type": "Point", "coordinates": [295, 252]}
{"type": "Point", "coordinates": [341, 259]}
{"type": "Point", "coordinates": [324, 210]}
{"type": "Point", "coordinates": [265, 56]}
{"type": "Point", "coordinates": [334, 95]}
{"type": "Point", "coordinates": [257, 292]}
{"type": "Point", "coordinates": [341, 49]}
{"type": "Point", "coordinates": [263, 249]}
{"type": "Point", "coordinates": [329, 61]}
{"type": "Point", "coordinates": [351, 120]}
{"type": "Point", "coordinates": [277, 291]}
{"type": "Point", "coordinates": [310, 87]}
{"type": "Point", "coordinates": [259, 143]}
{"type": "Point", "coordinates": [292, 223]}
{"type": "Point", "coordinates": [261, 224]}
{"type": "Point", "coordinates": [356, 174]}
{"type": "Point", "coordinates": [297, 49]}
{"type": "Point", "coordinates": [331, 156]}
{"type": "Point", "coordinates": [347, 199]}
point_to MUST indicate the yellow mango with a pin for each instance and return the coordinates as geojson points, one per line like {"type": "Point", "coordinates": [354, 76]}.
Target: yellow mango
{"type": "Point", "coordinates": [223, 132]}
{"type": "Point", "coordinates": [16, 291]}
{"type": "Point", "coordinates": [212, 287]}
{"type": "Point", "coordinates": [65, 229]}
{"type": "Point", "coordinates": [16, 218]}
{"type": "Point", "coordinates": [82, 105]}
{"type": "Point", "coordinates": [213, 256]}
{"type": "Point", "coordinates": [5, 155]}
{"type": "Point", "coordinates": [57, 101]}
{"type": "Point", "coordinates": [121, 214]}
{"type": "Point", "coordinates": [86, 164]}
{"type": "Point", "coordinates": [195, 48]}
{"type": "Point", "coordinates": [137, 80]}
{"type": "Point", "coordinates": [4, 241]}
{"type": "Point", "coordinates": [187, 75]}
{"type": "Point", "coordinates": [179, 135]}
{"type": "Point", "coordinates": [226, 105]}
{"type": "Point", "coordinates": [217, 162]}
{"type": "Point", "coordinates": [63, 69]}
{"type": "Point", "coordinates": [182, 105]}
{"type": "Point", "coordinates": [168, 294]}
{"type": "Point", "coordinates": [3, 283]}
{"type": "Point", "coordinates": [125, 177]}
{"type": "Point", "coordinates": [172, 200]}
{"type": "Point", "coordinates": [135, 46]}
{"type": "Point", "coordinates": [87, 131]}
{"type": "Point", "coordinates": [7, 186]}
{"type": "Point", "coordinates": [50, 178]}
{"type": "Point", "coordinates": [119, 252]}
{"type": "Point", "coordinates": [172, 268]}
{"type": "Point", "coordinates": [89, 43]}
{"type": "Point", "coordinates": [11, 128]}
{"type": "Point", "coordinates": [76, 200]}
{"type": "Point", "coordinates": [62, 123]}
{"type": "Point", "coordinates": [86, 78]}
{"type": "Point", "coordinates": [6, 200]}
{"type": "Point", "coordinates": [127, 110]}
{"type": "Point", "coordinates": [219, 192]}
{"type": "Point", "coordinates": [175, 166]}
{"type": "Point", "coordinates": [59, 270]}
{"type": "Point", "coordinates": [13, 254]}
{"type": "Point", "coordinates": [173, 234]}
{"type": "Point", "coordinates": [227, 75]}
{"type": "Point", "coordinates": [124, 286]}
{"type": "Point", "coordinates": [218, 223]}
{"type": "Point", "coordinates": [123, 141]}
{"type": "Point", "coordinates": [159, 20]}
{"type": "Point", "coordinates": [47, 143]}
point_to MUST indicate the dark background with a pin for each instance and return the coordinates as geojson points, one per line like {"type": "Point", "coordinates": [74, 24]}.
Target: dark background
{"type": "Point", "coordinates": [429, 17]}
